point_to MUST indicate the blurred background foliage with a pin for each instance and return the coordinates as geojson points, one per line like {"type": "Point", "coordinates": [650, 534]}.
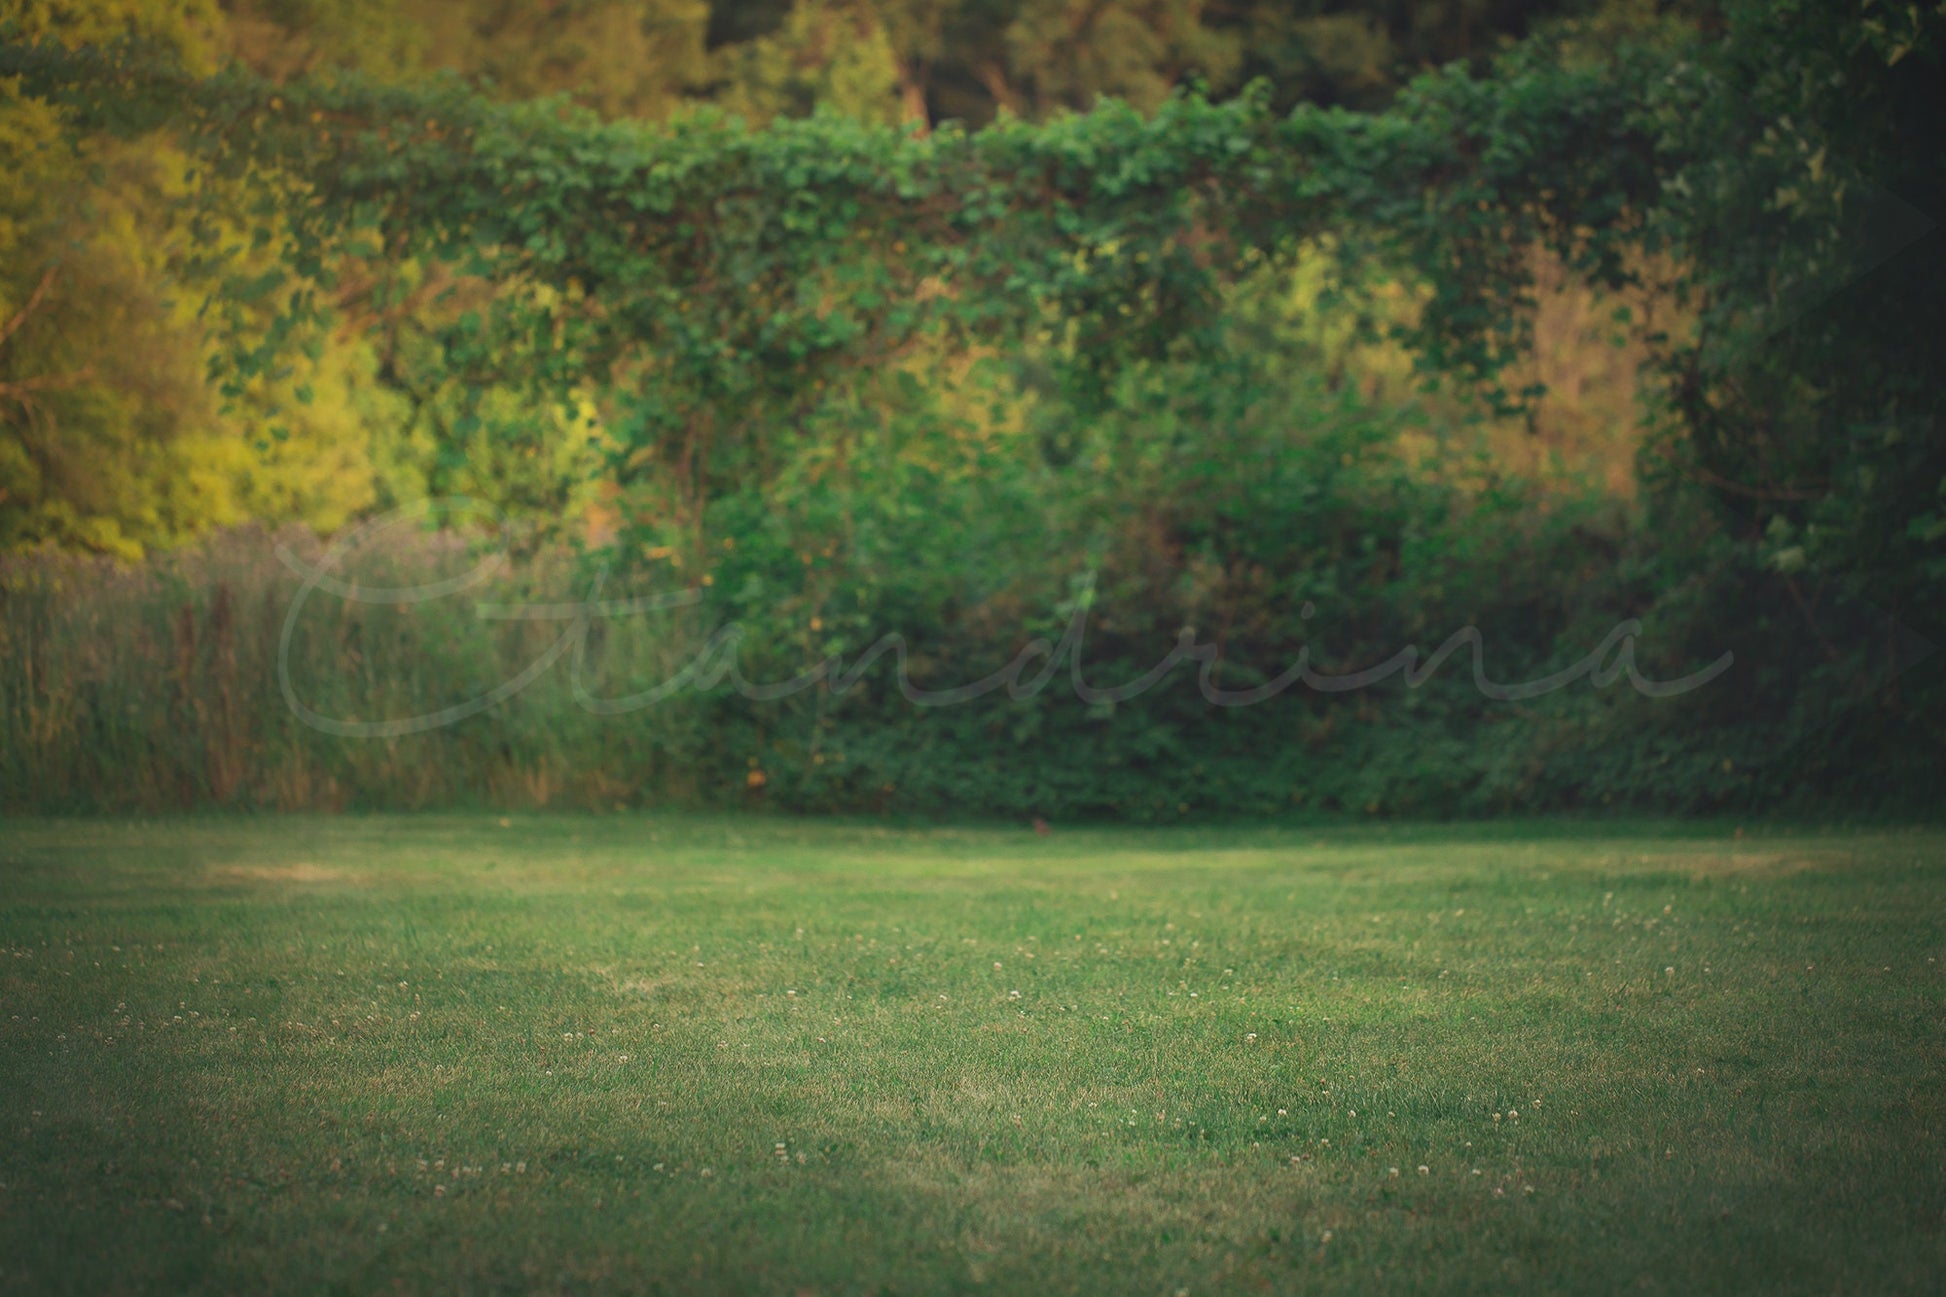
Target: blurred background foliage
{"type": "Point", "coordinates": [1722, 418]}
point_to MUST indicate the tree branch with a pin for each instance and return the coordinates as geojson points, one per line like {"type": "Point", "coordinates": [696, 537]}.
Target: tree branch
{"type": "Point", "coordinates": [33, 303]}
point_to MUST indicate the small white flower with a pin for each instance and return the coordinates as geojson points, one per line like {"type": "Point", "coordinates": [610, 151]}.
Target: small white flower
{"type": "Point", "coordinates": [1251, 1035]}
{"type": "Point", "coordinates": [1425, 1170]}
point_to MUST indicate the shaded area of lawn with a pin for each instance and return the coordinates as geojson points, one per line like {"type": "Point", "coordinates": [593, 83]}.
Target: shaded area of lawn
{"type": "Point", "coordinates": [697, 1054]}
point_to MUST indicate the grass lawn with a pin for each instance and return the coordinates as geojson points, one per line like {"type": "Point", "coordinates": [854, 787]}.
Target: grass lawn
{"type": "Point", "coordinates": [683, 1054]}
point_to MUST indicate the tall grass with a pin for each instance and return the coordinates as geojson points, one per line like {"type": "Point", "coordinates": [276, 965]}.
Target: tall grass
{"type": "Point", "coordinates": [157, 686]}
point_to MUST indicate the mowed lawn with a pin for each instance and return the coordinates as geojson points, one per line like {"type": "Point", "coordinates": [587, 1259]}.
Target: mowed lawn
{"type": "Point", "coordinates": [562, 1053]}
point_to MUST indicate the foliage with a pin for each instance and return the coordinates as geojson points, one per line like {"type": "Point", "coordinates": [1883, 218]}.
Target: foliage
{"type": "Point", "coordinates": [851, 375]}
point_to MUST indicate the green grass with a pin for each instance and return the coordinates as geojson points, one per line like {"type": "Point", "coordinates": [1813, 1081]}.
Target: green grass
{"type": "Point", "coordinates": [680, 1054]}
